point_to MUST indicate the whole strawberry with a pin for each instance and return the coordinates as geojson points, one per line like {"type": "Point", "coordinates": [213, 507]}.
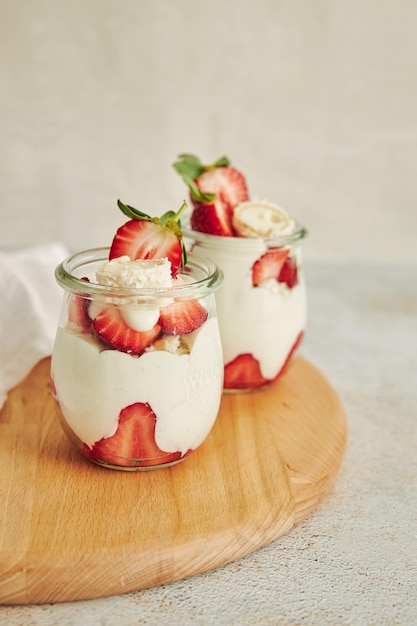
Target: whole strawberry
{"type": "Point", "coordinates": [145, 237]}
{"type": "Point", "coordinates": [215, 190]}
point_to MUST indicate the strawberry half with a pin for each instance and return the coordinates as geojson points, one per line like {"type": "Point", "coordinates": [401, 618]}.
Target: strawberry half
{"type": "Point", "coordinates": [243, 372]}
{"type": "Point", "coordinates": [145, 237]}
{"type": "Point", "coordinates": [78, 306]}
{"type": "Point", "coordinates": [182, 317]}
{"type": "Point", "coordinates": [133, 444]}
{"type": "Point", "coordinates": [215, 191]}
{"type": "Point", "coordinates": [289, 273]}
{"type": "Point", "coordinates": [110, 327]}
{"type": "Point", "coordinates": [268, 266]}
{"type": "Point", "coordinates": [207, 218]}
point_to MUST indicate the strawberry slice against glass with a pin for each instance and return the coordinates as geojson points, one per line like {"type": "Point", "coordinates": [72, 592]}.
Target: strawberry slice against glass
{"type": "Point", "coordinates": [133, 444]}
{"type": "Point", "coordinates": [78, 306]}
{"type": "Point", "coordinates": [215, 190]}
{"type": "Point", "coordinates": [268, 266]}
{"type": "Point", "coordinates": [289, 273]}
{"type": "Point", "coordinates": [243, 373]}
{"type": "Point", "coordinates": [145, 237]}
{"type": "Point", "coordinates": [111, 328]}
{"type": "Point", "coordinates": [182, 317]}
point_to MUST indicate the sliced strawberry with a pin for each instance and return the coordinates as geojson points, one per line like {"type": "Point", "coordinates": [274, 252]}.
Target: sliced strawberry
{"type": "Point", "coordinates": [268, 266]}
{"type": "Point", "coordinates": [146, 240]}
{"type": "Point", "coordinates": [243, 373]}
{"type": "Point", "coordinates": [215, 191]}
{"type": "Point", "coordinates": [212, 219]}
{"type": "Point", "coordinates": [289, 272]}
{"type": "Point", "coordinates": [133, 444]}
{"type": "Point", "coordinates": [110, 327]}
{"type": "Point", "coordinates": [78, 305]}
{"type": "Point", "coordinates": [229, 189]}
{"type": "Point", "coordinates": [182, 317]}
{"type": "Point", "coordinates": [145, 237]}
{"type": "Point", "coordinates": [226, 182]}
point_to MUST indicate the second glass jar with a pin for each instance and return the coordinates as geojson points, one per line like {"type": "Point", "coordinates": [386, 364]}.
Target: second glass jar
{"type": "Point", "coordinates": [262, 322]}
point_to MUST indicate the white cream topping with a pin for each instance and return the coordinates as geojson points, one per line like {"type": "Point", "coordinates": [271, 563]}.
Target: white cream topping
{"type": "Point", "coordinates": [261, 219]}
{"type": "Point", "coordinates": [93, 385]}
{"type": "Point", "coordinates": [139, 274]}
{"type": "Point", "coordinates": [122, 272]}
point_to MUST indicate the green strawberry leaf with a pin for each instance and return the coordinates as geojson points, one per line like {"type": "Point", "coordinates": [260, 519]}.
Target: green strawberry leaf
{"type": "Point", "coordinates": [131, 212]}
{"type": "Point", "coordinates": [196, 193]}
{"type": "Point", "coordinates": [188, 166]}
{"type": "Point", "coordinates": [222, 162]}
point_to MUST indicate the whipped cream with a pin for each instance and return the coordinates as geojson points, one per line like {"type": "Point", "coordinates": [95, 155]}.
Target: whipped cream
{"type": "Point", "coordinates": [122, 272]}
{"type": "Point", "coordinates": [139, 274]}
{"type": "Point", "coordinates": [261, 219]}
{"type": "Point", "coordinates": [93, 385]}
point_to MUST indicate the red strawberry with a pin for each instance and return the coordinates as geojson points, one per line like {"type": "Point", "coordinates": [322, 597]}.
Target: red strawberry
{"type": "Point", "coordinates": [243, 372]}
{"type": "Point", "coordinates": [289, 273]}
{"type": "Point", "coordinates": [78, 305]}
{"type": "Point", "coordinates": [209, 218]}
{"type": "Point", "coordinates": [269, 265]}
{"type": "Point", "coordinates": [133, 444]}
{"type": "Point", "coordinates": [113, 330]}
{"type": "Point", "coordinates": [145, 237]}
{"type": "Point", "coordinates": [215, 191]}
{"type": "Point", "coordinates": [182, 317]}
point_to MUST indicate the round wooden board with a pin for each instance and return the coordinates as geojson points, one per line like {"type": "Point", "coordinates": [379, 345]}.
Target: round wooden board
{"type": "Point", "coordinates": [70, 530]}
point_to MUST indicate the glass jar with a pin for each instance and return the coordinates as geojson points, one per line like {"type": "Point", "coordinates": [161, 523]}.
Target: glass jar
{"type": "Point", "coordinates": [262, 322]}
{"type": "Point", "coordinates": [141, 395]}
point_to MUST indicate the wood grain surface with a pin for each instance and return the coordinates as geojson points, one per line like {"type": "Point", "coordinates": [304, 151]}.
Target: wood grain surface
{"type": "Point", "coordinates": [71, 530]}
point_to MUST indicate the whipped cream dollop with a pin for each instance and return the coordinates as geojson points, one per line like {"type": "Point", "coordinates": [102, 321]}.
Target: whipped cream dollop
{"type": "Point", "coordinates": [123, 272]}
{"type": "Point", "coordinates": [261, 219]}
{"type": "Point", "coordinates": [139, 274]}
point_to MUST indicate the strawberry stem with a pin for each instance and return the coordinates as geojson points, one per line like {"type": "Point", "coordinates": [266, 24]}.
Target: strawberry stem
{"type": "Point", "coordinates": [172, 221]}
{"type": "Point", "coordinates": [170, 215]}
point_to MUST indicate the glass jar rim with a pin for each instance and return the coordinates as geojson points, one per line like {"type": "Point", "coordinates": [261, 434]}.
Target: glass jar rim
{"type": "Point", "coordinates": [64, 274]}
{"type": "Point", "coordinates": [299, 234]}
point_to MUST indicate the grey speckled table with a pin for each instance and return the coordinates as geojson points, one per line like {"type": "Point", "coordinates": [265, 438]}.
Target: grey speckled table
{"type": "Point", "coordinates": [354, 560]}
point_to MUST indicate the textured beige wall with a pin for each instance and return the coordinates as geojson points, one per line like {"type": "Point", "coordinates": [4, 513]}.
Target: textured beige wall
{"type": "Point", "coordinates": [315, 100]}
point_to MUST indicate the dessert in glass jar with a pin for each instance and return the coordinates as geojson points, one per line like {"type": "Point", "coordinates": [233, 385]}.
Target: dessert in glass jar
{"type": "Point", "coordinates": [261, 304]}
{"type": "Point", "coordinates": [137, 366]}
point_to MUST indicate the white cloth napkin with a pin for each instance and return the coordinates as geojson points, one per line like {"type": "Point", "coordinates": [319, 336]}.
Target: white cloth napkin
{"type": "Point", "coordinates": [30, 302]}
